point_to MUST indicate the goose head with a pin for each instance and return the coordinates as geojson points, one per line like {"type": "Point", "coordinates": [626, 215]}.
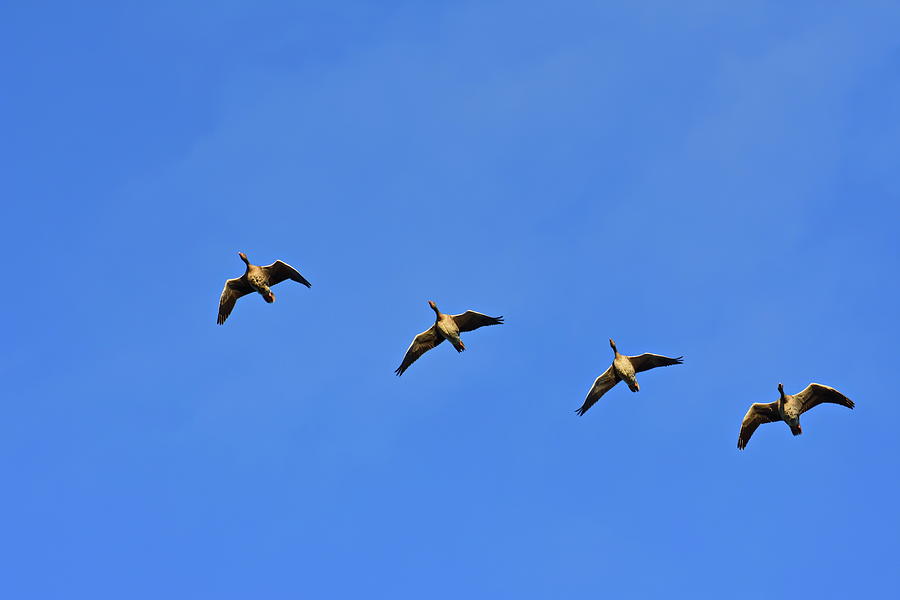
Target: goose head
{"type": "Point", "coordinates": [781, 389]}
{"type": "Point", "coordinates": [433, 307]}
{"type": "Point", "coordinates": [612, 344]}
{"type": "Point", "coordinates": [244, 258]}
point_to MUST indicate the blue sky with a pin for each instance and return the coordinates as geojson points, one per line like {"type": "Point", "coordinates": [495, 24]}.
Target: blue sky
{"type": "Point", "coordinates": [711, 180]}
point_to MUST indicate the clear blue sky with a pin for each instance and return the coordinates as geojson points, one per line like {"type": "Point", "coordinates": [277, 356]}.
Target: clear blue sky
{"type": "Point", "coordinates": [695, 178]}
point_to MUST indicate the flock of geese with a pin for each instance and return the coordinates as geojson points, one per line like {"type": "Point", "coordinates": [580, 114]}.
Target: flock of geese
{"type": "Point", "coordinates": [787, 408]}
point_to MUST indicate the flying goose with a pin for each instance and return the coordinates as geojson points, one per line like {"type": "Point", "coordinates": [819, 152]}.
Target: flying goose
{"type": "Point", "coordinates": [446, 327]}
{"type": "Point", "coordinates": [788, 409]}
{"type": "Point", "coordinates": [256, 279]}
{"type": "Point", "coordinates": [624, 368]}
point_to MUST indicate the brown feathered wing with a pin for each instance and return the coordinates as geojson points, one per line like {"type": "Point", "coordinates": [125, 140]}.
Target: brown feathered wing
{"type": "Point", "coordinates": [602, 384]}
{"type": "Point", "coordinates": [421, 344]}
{"type": "Point", "coordinates": [758, 414]}
{"type": "Point", "coordinates": [234, 289]}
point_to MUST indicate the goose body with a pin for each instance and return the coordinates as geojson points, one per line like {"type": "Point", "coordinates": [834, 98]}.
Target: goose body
{"type": "Point", "coordinates": [256, 279]}
{"type": "Point", "coordinates": [446, 327]}
{"type": "Point", "coordinates": [624, 368]}
{"type": "Point", "coordinates": [788, 408]}
{"type": "Point", "coordinates": [449, 330]}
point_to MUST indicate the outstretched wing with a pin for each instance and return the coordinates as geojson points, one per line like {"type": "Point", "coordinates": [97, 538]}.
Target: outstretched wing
{"type": "Point", "coordinates": [278, 271]}
{"type": "Point", "coordinates": [421, 344]}
{"type": "Point", "coordinates": [602, 384]}
{"type": "Point", "coordinates": [816, 393]}
{"type": "Point", "coordinates": [758, 414]}
{"type": "Point", "coordinates": [648, 361]}
{"type": "Point", "coordinates": [234, 289]}
{"type": "Point", "coordinates": [471, 320]}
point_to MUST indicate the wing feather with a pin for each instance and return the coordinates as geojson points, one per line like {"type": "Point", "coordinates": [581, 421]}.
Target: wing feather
{"type": "Point", "coordinates": [602, 384]}
{"type": "Point", "coordinates": [758, 414]}
{"type": "Point", "coordinates": [471, 320]}
{"type": "Point", "coordinates": [278, 271]}
{"type": "Point", "coordinates": [645, 362]}
{"type": "Point", "coordinates": [421, 344]}
{"type": "Point", "coordinates": [816, 394]}
{"type": "Point", "coordinates": [234, 289]}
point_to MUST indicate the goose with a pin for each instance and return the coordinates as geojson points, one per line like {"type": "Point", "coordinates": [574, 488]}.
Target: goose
{"type": "Point", "coordinates": [624, 368]}
{"type": "Point", "coordinates": [446, 327]}
{"type": "Point", "coordinates": [788, 408]}
{"type": "Point", "coordinates": [256, 279]}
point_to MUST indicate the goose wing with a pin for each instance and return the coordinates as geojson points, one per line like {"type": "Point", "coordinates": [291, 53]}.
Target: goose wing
{"type": "Point", "coordinates": [234, 289]}
{"type": "Point", "coordinates": [816, 393]}
{"type": "Point", "coordinates": [602, 384]}
{"type": "Point", "coordinates": [278, 271]}
{"type": "Point", "coordinates": [758, 414]}
{"type": "Point", "coordinates": [471, 320]}
{"type": "Point", "coordinates": [648, 361]}
{"type": "Point", "coordinates": [421, 344]}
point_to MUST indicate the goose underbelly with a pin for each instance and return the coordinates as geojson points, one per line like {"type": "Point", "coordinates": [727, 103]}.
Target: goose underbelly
{"type": "Point", "coordinates": [450, 332]}
{"type": "Point", "coordinates": [790, 412]}
{"type": "Point", "coordinates": [257, 282]}
{"type": "Point", "coordinates": [447, 330]}
{"type": "Point", "coordinates": [625, 371]}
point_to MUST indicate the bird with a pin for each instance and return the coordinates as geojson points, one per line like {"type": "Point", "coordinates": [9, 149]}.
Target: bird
{"type": "Point", "coordinates": [446, 327]}
{"type": "Point", "coordinates": [624, 368]}
{"type": "Point", "coordinates": [256, 279]}
{"type": "Point", "coordinates": [788, 408]}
